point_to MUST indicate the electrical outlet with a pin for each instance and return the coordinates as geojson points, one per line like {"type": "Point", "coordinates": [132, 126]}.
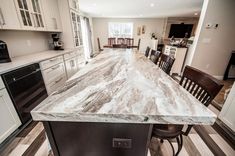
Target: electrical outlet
{"type": "Point", "coordinates": [122, 143]}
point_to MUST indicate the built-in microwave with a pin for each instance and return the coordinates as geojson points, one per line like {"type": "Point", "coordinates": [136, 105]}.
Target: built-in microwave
{"type": "Point", "coordinates": [4, 55]}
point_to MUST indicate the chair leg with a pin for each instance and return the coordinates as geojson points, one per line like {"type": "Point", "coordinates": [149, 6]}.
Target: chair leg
{"type": "Point", "coordinates": [180, 144]}
{"type": "Point", "coordinates": [173, 150]}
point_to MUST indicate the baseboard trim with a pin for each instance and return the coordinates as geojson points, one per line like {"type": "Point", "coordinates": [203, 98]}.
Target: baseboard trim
{"type": "Point", "coordinates": [218, 77]}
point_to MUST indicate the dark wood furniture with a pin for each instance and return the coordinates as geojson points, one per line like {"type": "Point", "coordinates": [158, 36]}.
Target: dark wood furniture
{"type": "Point", "coordinates": [231, 62]}
{"type": "Point", "coordinates": [166, 63]}
{"type": "Point", "coordinates": [129, 42]}
{"type": "Point", "coordinates": [154, 56]}
{"type": "Point", "coordinates": [98, 139]}
{"type": "Point", "coordinates": [202, 86]}
{"type": "Point", "coordinates": [119, 46]}
{"type": "Point", "coordinates": [147, 51]}
{"type": "Point", "coordinates": [98, 41]}
{"type": "Point", "coordinates": [120, 41]}
{"type": "Point", "coordinates": [111, 41]}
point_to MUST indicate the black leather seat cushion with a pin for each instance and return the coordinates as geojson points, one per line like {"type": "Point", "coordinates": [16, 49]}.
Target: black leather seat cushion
{"type": "Point", "coordinates": [167, 131]}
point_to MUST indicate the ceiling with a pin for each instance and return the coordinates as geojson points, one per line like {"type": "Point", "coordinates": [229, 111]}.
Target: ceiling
{"type": "Point", "coordinates": [141, 8]}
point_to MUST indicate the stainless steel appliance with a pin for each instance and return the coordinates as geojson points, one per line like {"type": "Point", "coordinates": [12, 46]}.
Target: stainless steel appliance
{"type": "Point", "coordinates": [58, 45]}
{"type": "Point", "coordinates": [4, 55]}
{"type": "Point", "coordinates": [26, 89]}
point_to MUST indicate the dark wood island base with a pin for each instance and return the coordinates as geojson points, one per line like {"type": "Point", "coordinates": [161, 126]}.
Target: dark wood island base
{"type": "Point", "coordinates": [98, 139]}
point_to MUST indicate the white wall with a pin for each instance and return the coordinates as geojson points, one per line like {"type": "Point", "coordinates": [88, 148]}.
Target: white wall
{"type": "Point", "coordinates": [214, 46]}
{"type": "Point", "coordinates": [25, 42]}
{"type": "Point", "coordinates": [153, 25]}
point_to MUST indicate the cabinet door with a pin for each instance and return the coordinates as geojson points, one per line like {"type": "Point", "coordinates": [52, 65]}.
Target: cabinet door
{"type": "Point", "coordinates": [25, 14]}
{"type": "Point", "coordinates": [71, 67]}
{"type": "Point", "coordinates": [9, 119]}
{"type": "Point", "coordinates": [8, 15]}
{"type": "Point", "coordinates": [37, 14]}
{"type": "Point", "coordinates": [76, 25]}
{"type": "Point", "coordinates": [52, 18]}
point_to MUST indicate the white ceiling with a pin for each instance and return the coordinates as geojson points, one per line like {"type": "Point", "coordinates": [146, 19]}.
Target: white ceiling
{"type": "Point", "coordinates": [140, 8]}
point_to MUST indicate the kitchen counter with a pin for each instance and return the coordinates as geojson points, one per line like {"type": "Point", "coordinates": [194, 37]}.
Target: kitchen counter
{"type": "Point", "coordinates": [21, 61]}
{"type": "Point", "coordinates": [123, 86]}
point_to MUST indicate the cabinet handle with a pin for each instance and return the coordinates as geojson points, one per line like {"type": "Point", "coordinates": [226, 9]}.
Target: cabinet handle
{"type": "Point", "coordinates": [59, 80]}
{"type": "Point", "coordinates": [53, 68]}
{"type": "Point", "coordinates": [52, 60]}
{"type": "Point", "coordinates": [3, 20]}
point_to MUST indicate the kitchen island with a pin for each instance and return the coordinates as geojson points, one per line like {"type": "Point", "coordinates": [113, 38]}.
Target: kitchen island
{"type": "Point", "coordinates": [109, 106]}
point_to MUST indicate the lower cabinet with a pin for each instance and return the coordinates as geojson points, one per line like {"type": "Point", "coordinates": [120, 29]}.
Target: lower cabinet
{"type": "Point", "coordinates": [9, 119]}
{"type": "Point", "coordinates": [54, 73]}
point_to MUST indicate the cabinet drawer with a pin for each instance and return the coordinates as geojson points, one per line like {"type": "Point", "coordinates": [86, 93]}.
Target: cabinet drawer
{"type": "Point", "coordinates": [1, 84]}
{"type": "Point", "coordinates": [59, 82]}
{"type": "Point", "coordinates": [70, 55]}
{"type": "Point", "coordinates": [51, 74]}
{"type": "Point", "coordinates": [51, 62]}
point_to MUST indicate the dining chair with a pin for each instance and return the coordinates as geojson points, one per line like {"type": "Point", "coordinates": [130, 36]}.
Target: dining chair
{"type": "Point", "coordinates": [147, 52]}
{"type": "Point", "coordinates": [100, 49]}
{"type": "Point", "coordinates": [166, 63]}
{"type": "Point", "coordinates": [154, 56]}
{"type": "Point", "coordinates": [203, 87]}
{"type": "Point", "coordinates": [129, 42]}
{"type": "Point", "coordinates": [111, 41]}
{"type": "Point", "coordinates": [120, 41]}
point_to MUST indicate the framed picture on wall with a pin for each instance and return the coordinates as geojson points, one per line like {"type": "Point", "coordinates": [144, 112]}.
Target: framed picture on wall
{"type": "Point", "coordinates": [143, 29]}
{"type": "Point", "coordinates": [139, 31]}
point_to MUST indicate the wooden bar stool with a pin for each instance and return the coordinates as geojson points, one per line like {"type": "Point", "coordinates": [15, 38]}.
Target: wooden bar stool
{"type": "Point", "coordinates": [202, 86]}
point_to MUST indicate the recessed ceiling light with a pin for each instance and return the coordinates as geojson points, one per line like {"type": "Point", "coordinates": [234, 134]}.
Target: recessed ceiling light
{"type": "Point", "coordinates": [141, 15]}
{"type": "Point", "coordinates": [94, 4]}
{"type": "Point", "coordinates": [195, 13]}
{"type": "Point", "coordinates": [152, 4]}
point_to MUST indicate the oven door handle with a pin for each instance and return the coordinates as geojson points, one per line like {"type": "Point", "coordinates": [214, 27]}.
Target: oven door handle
{"type": "Point", "coordinates": [20, 78]}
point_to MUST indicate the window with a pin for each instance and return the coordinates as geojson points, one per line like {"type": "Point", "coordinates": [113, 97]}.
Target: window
{"type": "Point", "coordinates": [121, 30]}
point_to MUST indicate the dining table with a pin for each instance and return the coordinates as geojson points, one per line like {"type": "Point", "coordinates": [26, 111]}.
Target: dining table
{"type": "Point", "coordinates": [110, 106]}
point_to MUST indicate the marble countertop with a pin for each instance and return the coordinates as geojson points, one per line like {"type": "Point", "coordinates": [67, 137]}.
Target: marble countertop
{"type": "Point", "coordinates": [21, 61]}
{"type": "Point", "coordinates": [123, 86]}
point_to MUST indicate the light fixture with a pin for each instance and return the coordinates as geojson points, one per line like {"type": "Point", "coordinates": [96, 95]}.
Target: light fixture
{"type": "Point", "coordinates": [195, 13]}
{"type": "Point", "coordinates": [94, 4]}
{"type": "Point", "coordinates": [152, 5]}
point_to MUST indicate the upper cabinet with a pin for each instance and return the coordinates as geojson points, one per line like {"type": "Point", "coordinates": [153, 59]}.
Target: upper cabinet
{"type": "Point", "coordinates": [76, 25]}
{"type": "Point", "coordinates": [73, 4]}
{"type": "Point", "coordinates": [52, 15]}
{"type": "Point", "coordinates": [8, 15]}
{"type": "Point", "coordinates": [30, 14]}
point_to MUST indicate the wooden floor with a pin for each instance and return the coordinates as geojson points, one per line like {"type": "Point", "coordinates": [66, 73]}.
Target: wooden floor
{"type": "Point", "coordinates": [33, 141]}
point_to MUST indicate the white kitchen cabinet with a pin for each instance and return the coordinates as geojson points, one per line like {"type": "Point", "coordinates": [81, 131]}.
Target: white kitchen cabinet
{"type": "Point", "coordinates": [30, 14]}
{"type": "Point", "coordinates": [52, 15]}
{"type": "Point", "coordinates": [8, 15]}
{"type": "Point", "coordinates": [80, 59]}
{"type": "Point", "coordinates": [77, 31]}
{"type": "Point", "coordinates": [74, 4]}
{"type": "Point", "coordinates": [71, 67]}
{"type": "Point", "coordinates": [179, 54]}
{"type": "Point", "coordinates": [227, 113]}
{"type": "Point", "coordinates": [9, 120]}
{"type": "Point", "coordinates": [55, 75]}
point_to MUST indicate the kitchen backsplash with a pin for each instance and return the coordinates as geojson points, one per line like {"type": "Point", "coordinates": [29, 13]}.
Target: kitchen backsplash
{"type": "Point", "coordinates": [25, 42]}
